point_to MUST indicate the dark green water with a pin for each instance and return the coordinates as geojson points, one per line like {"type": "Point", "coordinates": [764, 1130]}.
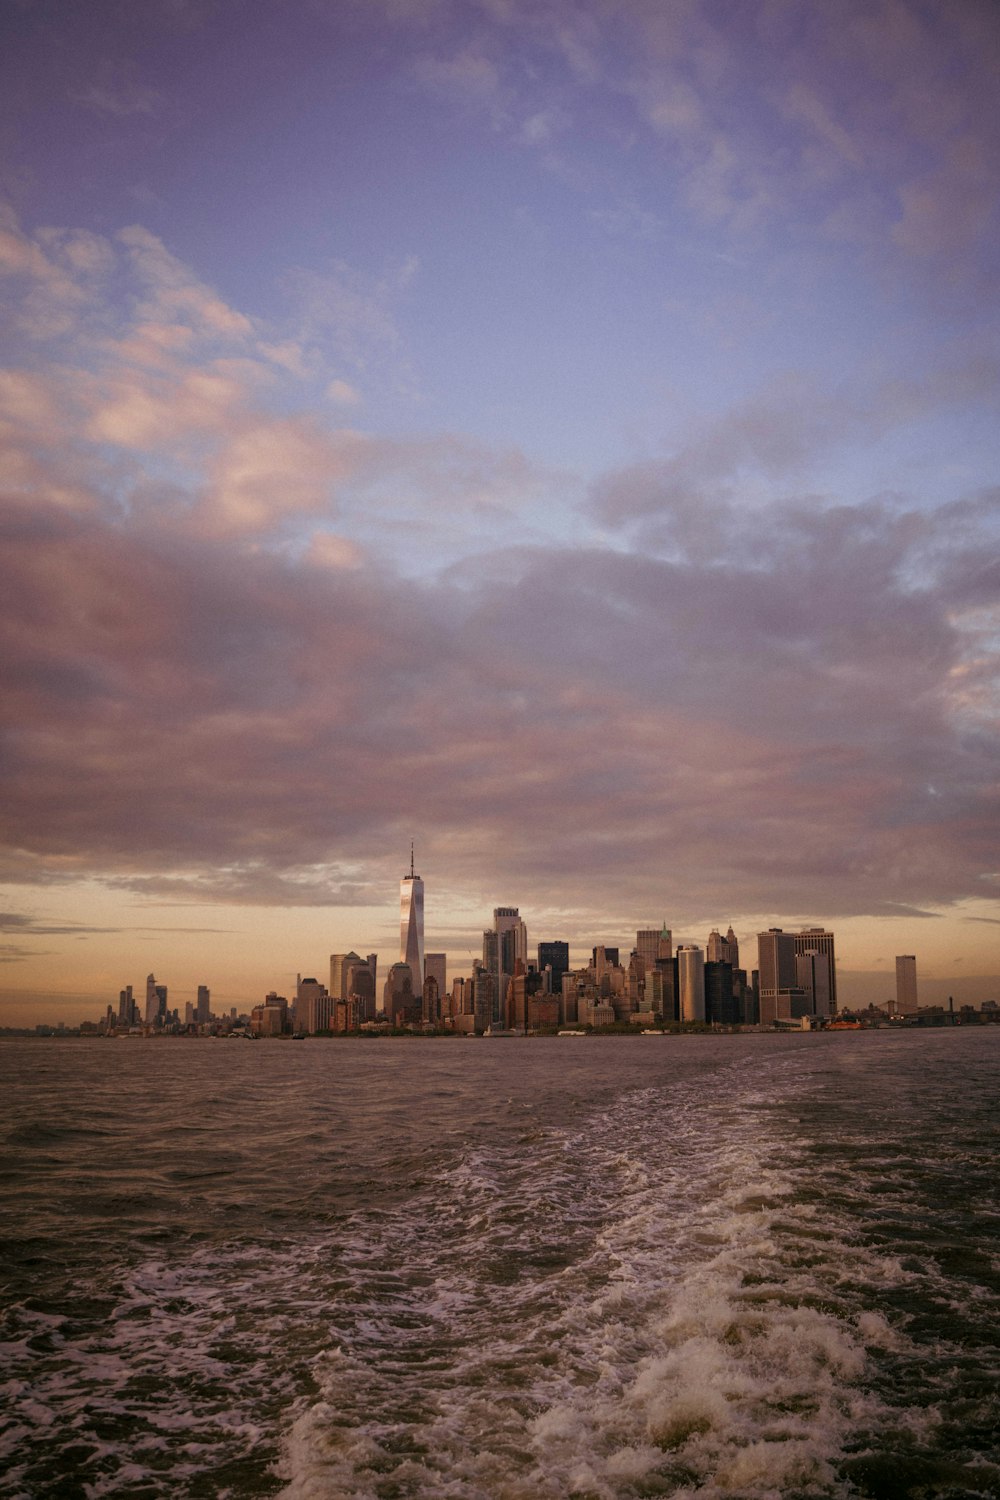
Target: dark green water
{"type": "Point", "coordinates": [759, 1267]}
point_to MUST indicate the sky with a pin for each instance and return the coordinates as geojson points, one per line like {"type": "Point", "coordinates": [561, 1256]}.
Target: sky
{"type": "Point", "coordinates": [561, 434]}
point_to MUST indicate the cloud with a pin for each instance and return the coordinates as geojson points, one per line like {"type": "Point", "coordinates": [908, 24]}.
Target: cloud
{"type": "Point", "coordinates": [116, 89]}
{"type": "Point", "coordinates": [225, 681]}
{"type": "Point", "coordinates": [246, 727]}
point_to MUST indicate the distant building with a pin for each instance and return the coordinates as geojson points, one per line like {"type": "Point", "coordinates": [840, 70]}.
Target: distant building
{"type": "Point", "coordinates": [722, 950]}
{"type": "Point", "coordinates": [359, 987]}
{"type": "Point", "coordinates": [779, 993]}
{"type": "Point", "coordinates": [411, 924]}
{"type": "Point", "coordinates": [203, 1008]}
{"type": "Point", "coordinates": [812, 973]}
{"type": "Point", "coordinates": [691, 982]}
{"type": "Point", "coordinates": [906, 984]}
{"type": "Point", "coordinates": [152, 1011]}
{"type": "Point", "coordinates": [503, 947]}
{"type": "Point", "coordinates": [436, 967]}
{"type": "Point", "coordinates": [270, 1018]}
{"type": "Point", "coordinates": [721, 1004]}
{"type": "Point", "coordinates": [340, 966]}
{"type": "Point", "coordinates": [554, 955]}
{"type": "Point", "coordinates": [819, 940]}
{"type": "Point", "coordinates": [398, 996]}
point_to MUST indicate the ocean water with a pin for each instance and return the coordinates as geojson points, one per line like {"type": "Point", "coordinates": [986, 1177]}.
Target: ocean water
{"type": "Point", "coordinates": [740, 1266]}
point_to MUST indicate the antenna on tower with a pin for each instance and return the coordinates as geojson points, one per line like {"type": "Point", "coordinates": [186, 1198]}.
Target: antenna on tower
{"type": "Point", "coordinates": [411, 859]}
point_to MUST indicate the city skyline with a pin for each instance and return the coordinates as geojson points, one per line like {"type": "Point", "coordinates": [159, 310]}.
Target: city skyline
{"type": "Point", "coordinates": [562, 435]}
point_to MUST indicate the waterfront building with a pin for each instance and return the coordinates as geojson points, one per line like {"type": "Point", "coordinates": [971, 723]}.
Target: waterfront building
{"type": "Point", "coordinates": [503, 947]}
{"type": "Point", "coordinates": [311, 1014]}
{"type": "Point", "coordinates": [340, 966]}
{"type": "Point", "coordinates": [398, 994]}
{"type": "Point", "coordinates": [436, 966]}
{"type": "Point", "coordinates": [359, 987]}
{"type": "Point", "coordinates": [203, 1007]}
{"type": "Point", "coordinates": [691, 982]}
{"type": "Point", "coordinates": [411, 924]}
{"type": "Point", "coordinates": [430, 1012]}
{"type": "Point", "coordinates": [820, 940]}
{"type": "Point", "coordinates": [554, 955]}
{"type": "Point", "coordinates": [906, 984]}
{"type": "Point", "coordinates": [777, 974]}
{"type": "Point", "coordinates": [152, 1011]}
{"type": "Point", "coordinates": [721, 1004]}
{"type": "Point", "coordinates": [812, 973]}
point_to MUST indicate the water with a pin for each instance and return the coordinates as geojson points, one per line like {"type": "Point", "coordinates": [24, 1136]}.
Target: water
{"type": "Point", "coordinates": [686, 1266]}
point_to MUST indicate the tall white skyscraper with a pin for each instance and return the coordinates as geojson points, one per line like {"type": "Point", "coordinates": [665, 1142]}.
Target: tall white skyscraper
{"type": "Point", "coordinates": [411, 925]}
{"type": "Point", "coordinates": [906, 984]}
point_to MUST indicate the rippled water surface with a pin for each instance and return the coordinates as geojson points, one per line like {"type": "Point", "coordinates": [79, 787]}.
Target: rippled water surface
{"type": "Point", "coordinates": [717, 1266]}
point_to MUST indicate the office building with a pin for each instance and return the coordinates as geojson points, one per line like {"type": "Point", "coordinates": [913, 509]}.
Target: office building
{"type": "Point", "coordinates": [411, 925]}
{"type": "Point", "coordinates": [203, 1008]}
{"type": "Point", "coordinates": [819, 940]}
{"type": "Point", "coordinates": [691, 982]}
{"type": "Point", "coordinates": [503, 947]}
{"type": "Point", "coordinates": [436, 967]}
{"type": "Point", "coordinates": [340, 967]}
{"type": "Point", "coordinates": [723, 950]}
{"type": "Point", "coordinates": [555, 956]}
{"type": "Point", "coordinates": [906, 984]}
{"type": "Point", "coordinates": [777, 974]}
{"type": "Point", "coordinates": [398, 996]}
{"type": "Point", "coordinates": [812, 974]}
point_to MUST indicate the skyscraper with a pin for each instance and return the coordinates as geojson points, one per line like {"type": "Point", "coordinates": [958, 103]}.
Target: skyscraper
{"type": "Point", "coordinates": [411, 925]}
{"type": "Point", "coordinates": [554, 955]}
{"type": "Point", "coordinates": [723, 950]}
{"type": "Point", "coordinates": [203, 1010]}
{"type": "Point", "coordinates": [691, 981]}
{"type": "Point", "coordinates": [819, 940]}
{"type": "Point", "coordinates": [436, 966]}
{"type": "Point", "coordinates": [812, 972]}
{"type": "Point", "coordinates": [502, 948]}
{"type": "Point", "coordinates": [778, 974]}
{"type": "Point", "coordinates": [906, 984]}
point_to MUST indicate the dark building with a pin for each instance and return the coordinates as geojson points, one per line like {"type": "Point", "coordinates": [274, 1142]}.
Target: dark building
{"type": "Point", "coordinates": [721, 1005]}
{"type": "Point", "coordinates": [554, 956]}
{"type": "Point", "coordinates": [610, 957]}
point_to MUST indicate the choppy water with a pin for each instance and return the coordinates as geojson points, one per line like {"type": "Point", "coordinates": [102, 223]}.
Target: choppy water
{"type": "Point", "coordinates": [738, 1266]}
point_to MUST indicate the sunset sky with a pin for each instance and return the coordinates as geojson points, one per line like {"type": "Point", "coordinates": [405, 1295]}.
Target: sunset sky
{"type": "Point", "coordinates": [562, 434]}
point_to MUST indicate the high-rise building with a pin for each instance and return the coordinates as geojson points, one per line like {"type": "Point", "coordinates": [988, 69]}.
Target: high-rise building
{"type": "Point", "coordinates": [152, 1001]}
{"type": "Point", "coordinates": [502, 949]}
{"type": "Point", "coordinates": [647, 943]}
{"type": "Point", "coordinates": [819, 940]}
{"type": "Point", "coordinates": [604, 957]}
{"type": "Point", "coordinates": [778, 976]}
{"type": "Point", "coordinates": [691, 981]}
{"type": "Point", "coordinates": [812, 974]}
{"type": "Point", "coordinates": [398, 996]}
{"type": "Point", "coordinates": [411, 925]}
{"type": "Point", "coordinates": [555, 956]}
{"type": "Point", "coordinates": [203, 1011]}
{"type": "Point", "coordinates": [436, 967]}
{"type": "Point", "coordinates": [310, 1014]}
{"type": "Point", "coordinates": [721, 1005]}
{"type": "Point", "coordinates": [340, 966]}
{"type": "Point", "coordinates": [359, 987]}
{"type": "Point", "coordinates": [906, 984]}
{"type": "Point", "coordinates": [723, 950]}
